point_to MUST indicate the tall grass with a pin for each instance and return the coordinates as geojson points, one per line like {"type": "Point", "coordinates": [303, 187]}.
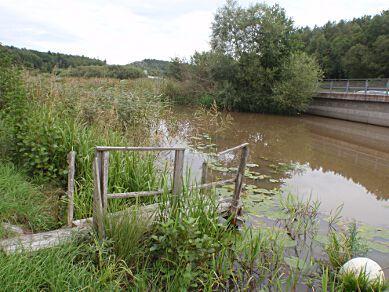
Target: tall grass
{"type": "Point", "coordinates": [70, 267]}
{"type": "Point", "coordinates": [60, 115]}
{"type": "Point", "coordinates": [24, 204]}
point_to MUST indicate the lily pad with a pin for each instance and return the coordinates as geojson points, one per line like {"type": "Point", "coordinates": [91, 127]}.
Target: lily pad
{"type": "Point", "coordinates": [252, 165]}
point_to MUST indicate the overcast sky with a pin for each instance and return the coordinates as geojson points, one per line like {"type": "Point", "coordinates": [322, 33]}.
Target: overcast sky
{"type": "Point", "coordinates": [123, 31]}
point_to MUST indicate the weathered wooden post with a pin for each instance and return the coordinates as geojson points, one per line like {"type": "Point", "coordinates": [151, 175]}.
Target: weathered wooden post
{"type": "Point", "coordinates": [347, 86]}
{"type": "Point", "coordinates": [104, 157]}
{"type": "Point", "coordinates": [204, 173]}
{"type": "Point", "coordinates": [235, 203]}
{"type": "Point", "coordinates": [70, 193]}
{"type": "Point", "coordinates": [178, 174]}
{"type": "Point", "coordinates": [98, 215]}
{"type": "Point", "coordinates": [366, 85]}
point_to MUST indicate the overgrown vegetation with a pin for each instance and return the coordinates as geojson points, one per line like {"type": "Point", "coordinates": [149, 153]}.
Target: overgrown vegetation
{"type": "Point", "coordinates": [24, 204]}
{"type": "Point", "coordinates": [185, 244]}
{"type": "Point", "coordinates": [48, 117]}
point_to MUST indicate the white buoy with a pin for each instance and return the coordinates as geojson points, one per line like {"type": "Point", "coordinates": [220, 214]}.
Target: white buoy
{"type": "Point", "coordinates": [372, 270]}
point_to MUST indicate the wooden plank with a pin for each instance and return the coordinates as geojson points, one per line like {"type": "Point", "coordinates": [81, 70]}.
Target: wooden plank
{"type": "Point", "coordinates": [98, 213]}
{"type": "Point", "coordinates": [214, 184]}
{"type": "Point", "coordinates": [33, 242]}
{"type": "Point", "coordinates": [232, 149]}
{"type": "Point", "coordinates": [178, 174]}
{"type": "Point", "coordinates": [238, 185]}
{"type": "Point", "coordinates": [104, 178]}
{"type": "Point", "coordinates": [70, 192]}
{"type": "Point", "coordinates": [124, 148]}
{"type": "Point", "coordinates": [135, 194]}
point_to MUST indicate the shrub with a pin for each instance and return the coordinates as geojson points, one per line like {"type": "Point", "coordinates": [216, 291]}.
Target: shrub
{"type": "Point", "coordinates": [299, 82]}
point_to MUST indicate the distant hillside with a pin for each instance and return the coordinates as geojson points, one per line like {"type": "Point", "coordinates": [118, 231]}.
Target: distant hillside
{"type": "Point", "coordinates": [47, 61]}
{"type": "Point", "coordinates": [154, 67]}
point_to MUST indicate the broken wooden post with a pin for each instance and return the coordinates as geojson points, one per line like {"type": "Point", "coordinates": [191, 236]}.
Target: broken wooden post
{"type": "Point", "coordinates": [98, 215]}
{"type": "Point", "coordinates": [235, 203]}
{"type": "Point", "coordinates": [70, 192]}
{"type": "Point", "coordinates": [178, 174]}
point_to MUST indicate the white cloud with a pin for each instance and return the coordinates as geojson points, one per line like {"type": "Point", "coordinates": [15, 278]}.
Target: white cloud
{"type": "Point", "coordinates": [123, 31]}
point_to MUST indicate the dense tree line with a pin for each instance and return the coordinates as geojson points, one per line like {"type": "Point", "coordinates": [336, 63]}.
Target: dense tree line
{"type": "Point", "coordinates": [46, 62]}
{"type": "Point", "coordinates": [106, 71]}
{"type": "Point", "coordinates": [350, 49]}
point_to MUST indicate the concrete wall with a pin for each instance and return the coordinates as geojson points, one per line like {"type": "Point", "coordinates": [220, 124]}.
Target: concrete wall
{"type": "Point", "coordinates": [353, 107]}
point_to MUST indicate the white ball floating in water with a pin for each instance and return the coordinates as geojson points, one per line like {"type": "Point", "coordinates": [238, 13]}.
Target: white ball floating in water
{"type": "Point", "coordinates": [372, 270]}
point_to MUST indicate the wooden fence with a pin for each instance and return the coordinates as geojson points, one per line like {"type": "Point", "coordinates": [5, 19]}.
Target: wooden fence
{"type": "Point", "coordinates": [100, 175]}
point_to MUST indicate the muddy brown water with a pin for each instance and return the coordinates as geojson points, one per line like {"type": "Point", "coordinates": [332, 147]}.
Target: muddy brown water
{"type": "Point", "coordinates": [341, 162]}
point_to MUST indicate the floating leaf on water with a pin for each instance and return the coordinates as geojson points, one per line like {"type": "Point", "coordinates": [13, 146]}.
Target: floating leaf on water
{"type": "Point", "coordinates": [223, 192]}
{"type": "Point", "coordinates": [250, 187]}
{"type": "Point", "coordinates": [251, 165]}
{"type": "Point", "coordinates": [229, 186]}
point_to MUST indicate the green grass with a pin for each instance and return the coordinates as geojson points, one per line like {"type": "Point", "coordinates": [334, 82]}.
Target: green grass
{"type": "Point", "coordinates": [23, 203]}
{"type": "Point", "coordinates": [70, 267]}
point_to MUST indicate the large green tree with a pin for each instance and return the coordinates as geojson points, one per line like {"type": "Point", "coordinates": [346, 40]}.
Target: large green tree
{"type": "Point", "coordinates": [257, 44]}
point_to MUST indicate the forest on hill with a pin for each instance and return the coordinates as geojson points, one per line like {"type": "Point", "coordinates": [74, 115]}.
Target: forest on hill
{"type": "Point", "coordinates": [47, 61]}
{"type": "Point", "coordinates": [358, 48]}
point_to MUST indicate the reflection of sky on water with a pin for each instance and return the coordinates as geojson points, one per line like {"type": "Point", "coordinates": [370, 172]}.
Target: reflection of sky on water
{"type": "Point", "coordinates": [345, 162]}
{"type": "Point", "coordinates": [332, 190]}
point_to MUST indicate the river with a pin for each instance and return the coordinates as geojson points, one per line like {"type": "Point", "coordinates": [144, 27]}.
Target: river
{"type": "Point", "coordinates": [340, 162]}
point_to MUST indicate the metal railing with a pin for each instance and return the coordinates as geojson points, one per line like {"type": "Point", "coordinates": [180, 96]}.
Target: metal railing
{"type": "Point", "coordinates": [368, 87]}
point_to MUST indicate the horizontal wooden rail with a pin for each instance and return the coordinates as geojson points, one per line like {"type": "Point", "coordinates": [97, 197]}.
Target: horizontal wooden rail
{"type": "Point", "coordinates": [135, 194]}
{"type": "Point", "coordinates": [213, 184]}
{"type": "Point", "coordinates": [160, 192]}
{"type": "Point", "coordinates": [118, 148]}
{"type": "Point", "coordinates": [232, 149]}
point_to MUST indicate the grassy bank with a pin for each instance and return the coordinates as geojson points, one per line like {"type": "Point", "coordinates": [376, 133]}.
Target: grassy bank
{"type": "Point", "coordinates": [186, 246]}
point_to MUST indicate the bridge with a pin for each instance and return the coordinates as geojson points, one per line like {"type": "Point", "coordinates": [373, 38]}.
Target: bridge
{"type": "Point", "coordinates": [358, 100]}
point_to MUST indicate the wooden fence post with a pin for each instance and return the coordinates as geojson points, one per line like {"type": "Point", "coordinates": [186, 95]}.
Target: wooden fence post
{"type": "Point", "coordinates": [235, 203]}
{"type": "Point", "coordinates": [98, 215]}
{"type": "Point", "coordinates": [70, 193]}
{"type": "Point", "coordinates": [204, 173]}
{"type": "Point", "coordinates": [104, 157]}
{"type": "Point", "coordinates": [366, 86]}
{"type": "Point", "coordinates": [178, 174]}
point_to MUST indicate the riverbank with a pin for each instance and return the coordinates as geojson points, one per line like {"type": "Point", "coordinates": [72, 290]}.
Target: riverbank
{"type": "Point", "coordinates": [188, 246]}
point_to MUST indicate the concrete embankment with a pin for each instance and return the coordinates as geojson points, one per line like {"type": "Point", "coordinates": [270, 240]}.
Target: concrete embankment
{"type": "Point", "coordinates": [369, 109]}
